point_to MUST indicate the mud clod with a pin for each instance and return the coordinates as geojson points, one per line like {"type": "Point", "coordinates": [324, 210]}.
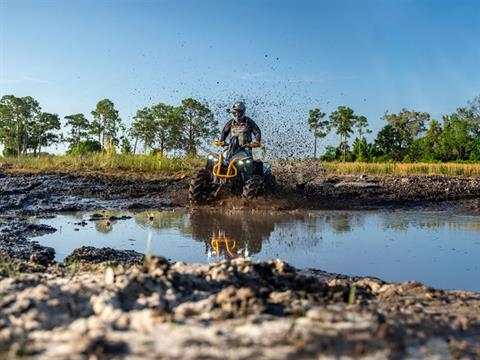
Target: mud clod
{"type": "Point", "coordinates": [92, 255]}
{"type": "Point", "coordinates": [262, 309]}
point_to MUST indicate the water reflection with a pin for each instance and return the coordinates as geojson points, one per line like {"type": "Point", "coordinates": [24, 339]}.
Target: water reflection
{"type": "Point", "coordinates": [104, 226]}
{"type": "Point", "coordinates": [248, 231]}
{"type": "Point", "coordinates": [243, 234]}
{"type": "Point", "coordinates": [223, 245]}
{"type": "Point", "coordinates": [440, 249]}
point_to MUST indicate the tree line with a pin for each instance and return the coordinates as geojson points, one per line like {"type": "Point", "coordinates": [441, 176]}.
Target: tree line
{"type": "Point", "coordinates": [408, 136]}
{"type": "Point", "coordinates": [25, 128]}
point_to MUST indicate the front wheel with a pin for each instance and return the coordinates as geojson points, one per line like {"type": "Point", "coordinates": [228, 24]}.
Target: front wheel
{"type": "Point", "coordinates": [253, 187]}
{"type": "Point", "coordinates": [200, 188]}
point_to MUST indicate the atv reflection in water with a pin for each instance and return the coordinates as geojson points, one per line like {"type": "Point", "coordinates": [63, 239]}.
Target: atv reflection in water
{"type": "Point", "coordinates": [438, 248]}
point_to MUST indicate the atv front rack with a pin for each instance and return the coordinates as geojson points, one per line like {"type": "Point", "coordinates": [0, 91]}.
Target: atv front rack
{"type": "Point", "coordinates": [217, 169]}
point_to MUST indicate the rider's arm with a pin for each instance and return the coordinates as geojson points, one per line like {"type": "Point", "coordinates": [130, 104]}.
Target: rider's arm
{"type": "Point", "coordinates": [256, 131]}
{"type": "Point", "coordinates": [226, 130]}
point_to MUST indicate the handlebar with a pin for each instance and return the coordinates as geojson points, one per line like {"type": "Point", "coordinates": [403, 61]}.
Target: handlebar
{"type": "Point", "coordinates": [219, 143]}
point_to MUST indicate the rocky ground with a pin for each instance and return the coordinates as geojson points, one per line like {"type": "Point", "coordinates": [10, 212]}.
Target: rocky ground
{"type": "Point", "coordinates": [103, 303]}
{"type": "Point", "coordinates": [232, 310]}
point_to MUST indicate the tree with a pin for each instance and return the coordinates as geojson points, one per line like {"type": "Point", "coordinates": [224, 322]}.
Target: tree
{"type": "Point", "coordinates": [456, 140]}
{"type": "Point", "coordinates": [144, 128]}
{"type": "Point", "coordinates": [196, 123]}
{"type": "Point", "coordinates": [168, 126]}
{"type": "Point", "coordinates": [360, 143]}
{"type": "Point", "coordinates": [17, 116]}
{"type": "Point", "coordinates": [387, 144]}
{"type": "Point", "coordinates": [473, 110]}
{"type": "Point", "coordinates": [343, 120]}
{"type": "Point", "coordinates": [408, 125]}
{"type": "Point", "coordinates": [106, 123]}
{"type": "Point", "coordinates": [317, 126]}
{"type": "Point", "coordinates": [125, 146]}
{"type": "Point", "coordinates": [79, 129]}
{"type": "Point", "coordinates": [431, 145]}
{"type": "Point", "coordinates": [43, 131]}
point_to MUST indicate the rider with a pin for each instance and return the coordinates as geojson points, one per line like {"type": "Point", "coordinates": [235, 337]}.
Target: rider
{"type": "Point", "coordinates": [240, 127]}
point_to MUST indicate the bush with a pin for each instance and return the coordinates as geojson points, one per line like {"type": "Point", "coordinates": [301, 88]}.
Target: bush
{"type": "Point", "coordinates": [7, 152]}
{"type": "Point", "coordinates": [84, 148]}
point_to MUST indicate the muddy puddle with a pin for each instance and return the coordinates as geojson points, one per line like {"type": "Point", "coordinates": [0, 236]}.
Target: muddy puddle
{"type": "Point", "coordinates": [438, 249]}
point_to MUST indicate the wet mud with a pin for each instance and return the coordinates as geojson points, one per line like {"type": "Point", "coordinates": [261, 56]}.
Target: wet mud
{"type": "Point", "coordinates": [110, 303]}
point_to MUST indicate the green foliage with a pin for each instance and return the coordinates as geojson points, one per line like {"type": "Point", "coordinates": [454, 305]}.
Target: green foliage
{"type": "Point", "coordinates": [155, 165]}
{"type": "Point", "coordinates": [161, 127]}
{"type": "Point", "coordinates": [85, 148]}
{"type": "Point", "coordinates": [106, 123]}
{"type": "Point", "coordinates": [168, 131]}
{"type": "Point", "coordinates": [317, 126]}
{"type": "Point", "coordinates": [351, 295]}
{"type": "Point", "coordinates": [23, 126]}
{"type": "Point", "coordinates": [144, 128]}
{"type": "Point", "coordinates": [196, 123]}
{"type": "Point", "coordinates": [409, 136]}
{"type": "Point", "coordinates": [125, 146]}
{"type": "Point", "coordinates": [343, 120]}
{"type": "Point", "coordinates": [43, 131]}
{"type": "Point", "coordinates": [80, 129]}
{"type": "Point", "coordinates": [388, 144]}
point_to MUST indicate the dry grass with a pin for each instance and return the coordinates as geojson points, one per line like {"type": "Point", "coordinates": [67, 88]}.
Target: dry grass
{"type": "Point", "coordinates": [152, 165]}
{"type": "Point", "coordinates": [157, 166]}
{"type": "Point", "coordinates": [452, 169]}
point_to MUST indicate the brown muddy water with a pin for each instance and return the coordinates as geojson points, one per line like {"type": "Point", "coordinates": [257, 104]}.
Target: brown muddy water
{"type": "Point", "coordinates": [436, 248]}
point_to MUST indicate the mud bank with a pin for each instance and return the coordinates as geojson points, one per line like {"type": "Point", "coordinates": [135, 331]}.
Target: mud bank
{"type": "Point", "coordinates": [312, 182]}
{"type": "Point", "coordinates": [40, 194]}
{"type": "Point", "coordinates": [33, 194]}
{"type": "Point", "coordinates": [231, 310]}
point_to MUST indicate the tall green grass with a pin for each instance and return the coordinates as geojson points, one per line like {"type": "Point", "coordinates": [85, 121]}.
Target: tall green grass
{"type": "Point", "coordinates": [108, 163]}
{"type": "Point", "coordinates": [156, 165]}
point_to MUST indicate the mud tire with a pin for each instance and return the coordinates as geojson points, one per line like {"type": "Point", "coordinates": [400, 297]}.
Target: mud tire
{"type": "Point", "coordinates": [253, 187]}
{"type": "Point", "coordinates": [200, 188]}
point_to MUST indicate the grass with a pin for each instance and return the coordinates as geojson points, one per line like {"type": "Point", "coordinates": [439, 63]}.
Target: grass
{"type": "Point", "coordinates": [105, 163]}
{"type": "Point", "coordinates": [9, 267]}
{"type": "Point", "coordinates": [451, 169]}
{"type": "Point", "coordinates": [157, 166]}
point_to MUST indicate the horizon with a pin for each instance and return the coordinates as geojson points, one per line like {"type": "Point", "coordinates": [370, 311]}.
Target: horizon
{"type": "Point", "coordinates": [282, 57]}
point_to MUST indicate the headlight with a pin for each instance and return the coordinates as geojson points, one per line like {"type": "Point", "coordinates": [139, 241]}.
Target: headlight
{"type": "Point", "coordinates": [210, 157]}
{"type": "Point", "coordinates": [241, 162]}
{"type": "Point", "coordinates": [249, 161]}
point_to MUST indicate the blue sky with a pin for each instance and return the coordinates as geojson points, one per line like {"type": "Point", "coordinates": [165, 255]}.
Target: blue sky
{"type": "Point", "coordinates": [282, 57]}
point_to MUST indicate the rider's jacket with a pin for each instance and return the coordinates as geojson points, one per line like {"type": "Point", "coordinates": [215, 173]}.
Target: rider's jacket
{"type": "Point", "coordinates": [243, 129]}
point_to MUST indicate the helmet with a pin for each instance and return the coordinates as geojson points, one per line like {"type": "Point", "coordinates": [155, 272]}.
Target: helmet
{"type": "Point", "coordinates": [237, 109]}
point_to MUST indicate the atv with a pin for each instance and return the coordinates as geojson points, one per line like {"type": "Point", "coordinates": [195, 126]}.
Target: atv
{"type": "Point", "coordinates": [233, 168]}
